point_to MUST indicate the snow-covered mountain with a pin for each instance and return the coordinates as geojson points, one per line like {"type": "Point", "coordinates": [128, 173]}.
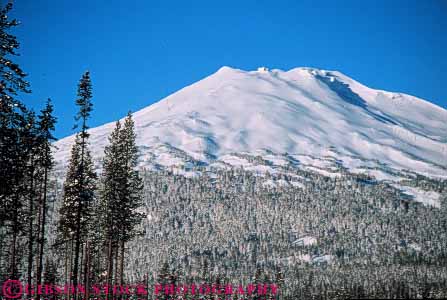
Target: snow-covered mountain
{"type": "Point", "coordinates": [309, 117]}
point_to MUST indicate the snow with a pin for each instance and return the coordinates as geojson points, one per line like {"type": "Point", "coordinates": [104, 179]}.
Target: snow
{"type": "Point", "coordinates": [297, 184]}
{"type": "Point", "coordinates": [275, 160]}
{"type": "Point", "coordinates": [377, 174]}
{"type": "Point", "coordinates": [269, 183]}
{"type": "Point", "coordinates": [185, 173]}
{"type": "Point", "coordinates": [426, 197]}
{"type": "Point", "coordinates": [415, 247]}
{"type": "Point", "coordinates": [260, 169]}
{"type": "Point", "coordinates": [303, 112]}
{"type": "Point", "coordinates": [323, 172]}
{"type": "Point", "coordinates": [305, 241]}
{"type": "Point", "coordinates": [304, 257]}
{"type": "Point", "coordinates": [322, 259]}
{"type": "Point", "coordinates": [234, 161]}
{"type": "Point", "coordinates": [167, 160]}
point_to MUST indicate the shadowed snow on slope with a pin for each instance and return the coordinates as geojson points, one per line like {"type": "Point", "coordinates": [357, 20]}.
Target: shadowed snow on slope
{"type": "Point", "coordinates": [301, 111]}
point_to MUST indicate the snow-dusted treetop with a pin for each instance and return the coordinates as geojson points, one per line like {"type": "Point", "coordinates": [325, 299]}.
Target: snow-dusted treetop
{"type": "Point", "coordinates": [300, 111]}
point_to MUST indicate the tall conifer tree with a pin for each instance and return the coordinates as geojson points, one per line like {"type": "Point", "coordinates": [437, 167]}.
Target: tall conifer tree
{"type": "Point", "coordinates": [46, 125]}
{"type": "Point", "coordinates": [80, 182]}
{"type": "Point", "coordinates": [132, 186]}
{"type": "Point", "coordinates": [12, 152]}
{"type": "Point", "coordinates": [30, 142]}
{"type": "Point", "coordinates": [120, 194]}
{"type": "Point", "coordinates": [109, 206]}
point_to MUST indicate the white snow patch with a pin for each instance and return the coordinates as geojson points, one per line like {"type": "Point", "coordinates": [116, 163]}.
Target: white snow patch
{"type": "Point", "coordinates": [234, 161]}
{"type": "Point", "coordinates": [415, 246]}
{"type": "Point", "coordinates": [304, 257]}
{"type": "Point", "coordinates": [426, 197]}
{"type": "Point", "coordinates": [322, 259]}
{"type": "Point", "coordinates": [377, 174]}
{"type": "Point", "coordinates": [323, 172]}
{"type": "Point", "coordinates": [186, 173]}
{"type": "Point", "coordinates": [305, 241]}
{"type": "Point", "coordinates": [269, 183]}
{"type": "Point", "coordinates": [260, 169]}
{"type": "Point", "coordinates": [297, 184]}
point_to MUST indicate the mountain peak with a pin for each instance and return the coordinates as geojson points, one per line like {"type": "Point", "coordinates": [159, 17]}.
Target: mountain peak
{"type": "Point", "coordinates": [303, 110]}
{"type": "Point", "coordinates": [225, 69]}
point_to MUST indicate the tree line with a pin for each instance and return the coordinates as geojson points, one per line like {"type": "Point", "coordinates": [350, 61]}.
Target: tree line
{"type": "Point", "coordinates": [236, 226]}
{"type": "Point", "coordinates": [25, 162]}
{"type": "Point", "coordinates": [109, 201]}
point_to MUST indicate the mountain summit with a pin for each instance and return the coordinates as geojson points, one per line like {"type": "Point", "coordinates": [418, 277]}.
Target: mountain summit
{"type": "Point", "coordinates": [288, 115]}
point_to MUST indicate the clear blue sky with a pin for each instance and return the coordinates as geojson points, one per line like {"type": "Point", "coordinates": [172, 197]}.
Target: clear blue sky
{"type": "Point", "coordinates": [140, 51]}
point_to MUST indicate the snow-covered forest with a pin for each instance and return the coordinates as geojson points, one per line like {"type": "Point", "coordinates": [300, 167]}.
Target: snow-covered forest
{"type": "Point", "coordinates": [319, 237]}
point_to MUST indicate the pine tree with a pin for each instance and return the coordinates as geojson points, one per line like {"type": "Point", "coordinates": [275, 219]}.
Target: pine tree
{"type": "Point", "coordinates": [95, 267]}
{"type": "Point", "coordinates": [75, 212]}
{"type": "Point", "coordinates": [50, 275]}
{"type": "Point", "coordinates": [279, 279]}
{"type": "Point", "coordinates": [85, 184]}
{"type": "Point", "coordinates": [120, 194]}
{"type": "Point", "coordinates": [109, 204]}
{"type": "Point", "coordinates": [11, 109]}
{"type": "Point", "coordinates": [12, 156]}
{"type": "Point", "coordinates": [32, 177]}
{"type": "Point", "coordinates": [132, 185]}
{"type": "Point", "coordinates": [166, 278]}
{"type": "Point", "coordinates": [46, 124]}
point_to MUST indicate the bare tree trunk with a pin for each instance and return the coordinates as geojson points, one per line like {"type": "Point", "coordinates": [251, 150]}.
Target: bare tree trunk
{"type": "Point", "coordinates": [66, 266]}
{"type": "Point", "coordinates": [147, 284]}
{"type": "Point", "coordinates": [42, 221]}
{"type": "Point", "coordinates": [30, 228]}
{"type": "Point", "coordinates": [122, 263]}
{"type": "Point", "coordinates": [70, 279]}
{"type": "Point", "coordinates": [38, 241]}
{"type": "Point", "coordinates": [77, 249]}
{"type": "Point", "coordinates": [2, 243]}
{"type": "Point", "coordinates": [82, 265]}
{"type": "Point", "coordinates": [109, 267]}
{"type": "Point", "coordinates": [121, 281]}
{"type": "Point", "coordinates": [87, 270]}
{"type": "Point", "coordinates": [116, 266]}
{"type": "Point", "coordinates": [15, 232]}
{"type": "Point", "coordinates": [14, 252]}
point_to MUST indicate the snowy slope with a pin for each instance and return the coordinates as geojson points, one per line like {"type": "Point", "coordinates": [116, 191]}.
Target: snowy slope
{"type": "Point", "coordinates": [306, 113]}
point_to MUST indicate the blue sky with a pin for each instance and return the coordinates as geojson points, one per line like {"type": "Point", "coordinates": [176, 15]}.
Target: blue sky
{"type": "Point", "coordinates": [140, 51]}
